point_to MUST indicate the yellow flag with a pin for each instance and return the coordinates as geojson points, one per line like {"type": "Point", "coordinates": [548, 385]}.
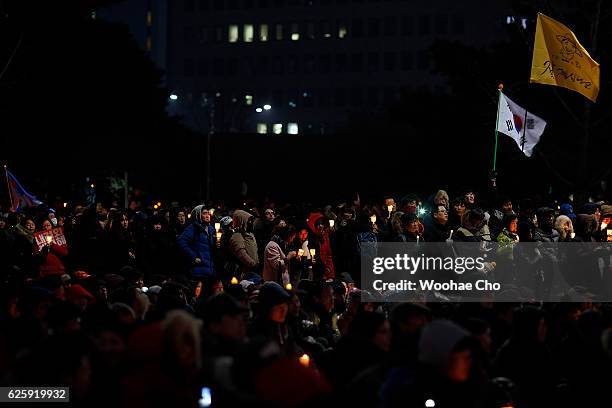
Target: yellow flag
{"type": "Point", "coordinates": [559, 59]}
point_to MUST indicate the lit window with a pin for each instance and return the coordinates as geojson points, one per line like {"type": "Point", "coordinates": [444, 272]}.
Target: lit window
{"type": "Point", "coordinates": [509, 20]}
{"type": "Point", "coordinates": [279, 32]}
{"type": "Point", "coordinates": [262, 128]}
{"type": "Point", "coordinates": [248, 32]}
{"type": "Point", "coordinates": [277, 128]}
{"type": "Point", "coordinates": [263, 32]}
{"type": "Point", "coordinates": [292, 128]}
{"type": "Point", "coordinates": [232, 33]}
{"type": "Point", "coordinates": [295, 32]}
{"type": "Point", "coordinates": [342, 31]}
{"type": "Point", "coordinates": [248, 99]}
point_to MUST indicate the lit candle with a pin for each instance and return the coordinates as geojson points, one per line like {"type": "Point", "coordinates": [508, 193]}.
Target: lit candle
{"type": "Point", "coordinates": [331, 223]}
{"type": "Point", "coordinates": [234, 280]}
{"type": "Point", "coordinates": [289, 286]}
{"type": "Point", "coordinates": [389, 208]}
{"type": "Point", "coordinates": [573, 235]}
{"type": "Point", "coordinates": [300, 252]}
{"type": "Point", "coordinates": [65, 205]}
{"type": "Point", "coordinates": [305, 360]}
{"type": "Point", "coordinates": [217, 226]}
{"type": "Point", "coordinates": [49, 239]}
{"type": "Point", "coordinates": [604, 225]}
{"type": "Point", "coordinates": [313, 252]}
{"type": "Point", "coordinates": [188, 215]}
{"type": "Point", "coordinates": [212, 211]}
{"type": "Point", "coordinates": [219, 235]}
{"type": "Point", "coordinates": [417, 239]}
{"type": "Point", "coordinates": [373, 219]}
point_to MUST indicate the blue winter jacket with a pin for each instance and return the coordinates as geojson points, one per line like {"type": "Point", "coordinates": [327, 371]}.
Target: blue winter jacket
{"type": "Point", "coordinates": [198, 241]}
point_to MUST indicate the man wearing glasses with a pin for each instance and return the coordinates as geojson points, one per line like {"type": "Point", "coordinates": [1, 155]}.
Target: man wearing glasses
{"type": "Point", "coordinates": [438, 231]}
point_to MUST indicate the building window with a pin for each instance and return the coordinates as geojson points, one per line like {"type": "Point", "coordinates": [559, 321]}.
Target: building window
{"type": "Point", "coordinates": [292, 64]}
{"type": "Point", "coordinates": [263, 32]}
{"type": "Point", "coordinates": [325, 29]}
{"type": "Point", "coordinates": [248, 100]}
{"type": "Point", "coordinates": [277, 65]}
{"type": "Point", "coordinates": [407, 61]}
{"type": "Point", "coordinates": [324, 97]}
{"type": "Point", "coordinates": [423, 60]}
{"type": "Point", "coordinates": [325, 64]}
{"type": "Point", "coordinates": [203, 67]}
{"type": "Point", "coordinates": [424, 25]}
{"type": "Point", "coordinates": [458, 24]}
{"type": "Point", "coordinates": [218, 67]}
{"type": "Point", "coordinates": [309, 64]}
{"type": "Point", "coordinates": [279, 32]}
{"type": "Point", "coordinates": [373, 62]}
{"type": "Point", "coordinates": [357, 62]}
{"type": "Point", "coordinates": [342, 29]}
{"type": "Point", "coordinates": [441, 24]}
{"type": "Point", "coordinates": [248, 33]}
{"type": "Point", "coordinates": [341, 63]}
{"type": "Point", "coordinates": [232, 66]}
{"type": "Point", "coordinates": [263, 64]}
{"type": "Point", "coordinates": [389, 61]}
{"type": "Point", "coordinates": [277, 128]}
{"type": "Point", "coordinates": [307, 98]}
{"type": "Point", "coordinates": [295, 31]}
{"type": "Point", "coordinates": [407, 26]}
{"type": "Point", "coordinates": [262, 128]}
{"type": "Point", "coordinates": [356, 97]}
{"type": "Point", "coordinates": [310, 31]}
{"type": "Point", "coordinates": [373, 27]}
{"type": "Point", "coordinates": [188, 34]}
{"type": "Point", "coordinates": [277, 97]}
{"type": "Point", "coordinates": [232, 33]}
{"type": "Point", "coordinates": [218, 34]}
{"type": "Point", "coordinates": [204, 35]}
{"type": "Point", "coordinates": [292, 128]}
{"type": "Point", "coordinates": [340, 97]}
{"type": "Point", "coordinates": [390, 26]}
{"type": "Point", "coordinates": [373, 96]}
{"type": "Point", "coordinates": [189, 67]}
{"type": "Point", "coordinates": [357, 28]}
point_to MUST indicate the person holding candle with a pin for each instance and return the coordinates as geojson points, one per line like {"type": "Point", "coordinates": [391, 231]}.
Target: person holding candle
{"type": "Point", "coordinates": [409, 229]}
{"type": "Point", "coordinates": [320, 242]}
{"type": "Point", "coordinates": [197, 243]}
{"type": "Point", "coordinates": [51, 254]}
{"type": "Point", "coordinates": [242, 245]}
{"type": "Point", "coordinates": [275, 262]}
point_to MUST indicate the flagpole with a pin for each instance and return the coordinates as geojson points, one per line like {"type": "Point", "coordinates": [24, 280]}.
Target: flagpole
{"type": "Point", "coordinates": [524, 130]}
{"type": "Point", "coordinates": [8, 186]}
{"type": "Point", "coordinates": [499, 89]}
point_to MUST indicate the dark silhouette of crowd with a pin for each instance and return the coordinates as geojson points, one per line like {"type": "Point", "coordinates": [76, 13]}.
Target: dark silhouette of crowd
{"type": "Point", "coordinates": [262, 306]}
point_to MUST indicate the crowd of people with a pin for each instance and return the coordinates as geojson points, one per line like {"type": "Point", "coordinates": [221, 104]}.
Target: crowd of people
{"type": "Point", "coordinates": [262, 305]}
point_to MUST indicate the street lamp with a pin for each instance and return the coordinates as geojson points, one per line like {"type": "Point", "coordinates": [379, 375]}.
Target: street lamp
{"type": "Point", "coordinates": [173, 97]}
{"type": "Point", "coordinates": [267, 107]}
{"type": "Point", "coordinates": [258, 110]}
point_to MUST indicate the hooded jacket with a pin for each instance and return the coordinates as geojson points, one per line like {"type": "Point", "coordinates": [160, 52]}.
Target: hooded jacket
{"type": "Point", "coordinates": [323, 246]}
{"type": "Point", "coordinates": [242, 244]}
{"type": "Point", "coordinates": [197, 241]}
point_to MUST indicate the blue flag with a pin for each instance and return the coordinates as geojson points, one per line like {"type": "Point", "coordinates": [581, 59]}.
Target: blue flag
{"type": "Point", "coordinates": [18, 195]}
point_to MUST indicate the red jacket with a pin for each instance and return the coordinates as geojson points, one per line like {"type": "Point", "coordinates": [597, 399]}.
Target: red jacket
{"type": "Point", "coordinates": [324, 248]}
{"type": "Point", "coordinates": [52, 264]}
